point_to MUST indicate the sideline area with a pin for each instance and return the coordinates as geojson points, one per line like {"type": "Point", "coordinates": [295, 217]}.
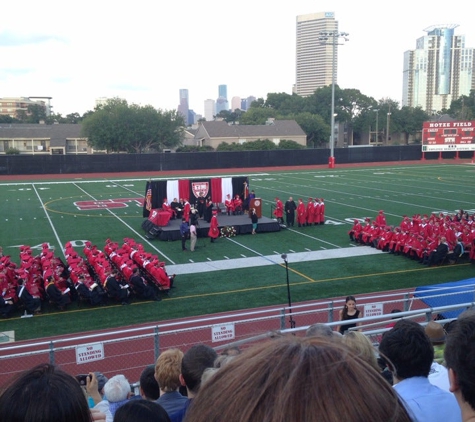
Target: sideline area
{"type": "Point", "coordinates": [265, 260]}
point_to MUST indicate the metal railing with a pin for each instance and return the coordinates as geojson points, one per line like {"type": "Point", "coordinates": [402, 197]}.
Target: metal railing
{"type": "Point", "coordinates": [129, 351]}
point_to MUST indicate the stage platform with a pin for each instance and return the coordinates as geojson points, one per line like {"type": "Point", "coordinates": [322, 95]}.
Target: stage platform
{"type": "Point", "coordinates": [241, 223]}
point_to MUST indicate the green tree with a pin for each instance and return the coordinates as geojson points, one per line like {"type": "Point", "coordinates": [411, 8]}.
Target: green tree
{"type": "Point", "coordinates": [410, 121]}
{"type": "Point", "coordinates": [35, 113]}
{"type": "Point", "coordinates": [316, 129]}
{"type": "Point", "coordinates": [463, 108]}
{"type": "Point", "coordinates": [73, 118]}
{"type": "Point", "coordinates": [288, 144]}
{"type": "Point", "coordinates": [224, 146]}
{"type": "Point", "coordinates": [117, 126]}
{"type": "Point", "coordinates": [257, 116]}
{"type": "Point", "coordinates": [286, 104]}
{"type": "Point", "coordinates": [8, 119]}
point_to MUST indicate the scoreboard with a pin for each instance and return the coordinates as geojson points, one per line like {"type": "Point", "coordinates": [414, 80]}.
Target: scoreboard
{"type": "Point", "coordinates": [448, 136]}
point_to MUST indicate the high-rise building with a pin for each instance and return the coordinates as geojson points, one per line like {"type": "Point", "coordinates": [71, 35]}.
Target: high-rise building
{"type": "Point", "coordinates": [314, 58]}
{"type": "Point", "coordinates": [439, 70]}
{"type": "Point", "coordinates": [17, 106]}
{"type": "Point", "coordinates": [235, 103]}
{"type": "Point", "coordinates": [246, 102]}
{"type": "Point", "coordinates": [222, 101]}
{"type": "Point", "coordinates": [223, 91]}
{"type": "Point", "coordinates": [184, 107]}
{"type": "Point", "coordinates": [210, 110]}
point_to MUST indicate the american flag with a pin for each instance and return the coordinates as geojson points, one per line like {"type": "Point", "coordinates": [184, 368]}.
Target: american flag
{"type": "Point", "coordinates": [148, 197]}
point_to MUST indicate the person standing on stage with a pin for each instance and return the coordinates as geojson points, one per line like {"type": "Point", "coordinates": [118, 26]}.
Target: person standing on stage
{"type": "Point", "coordinates": [254, 220]}
{"type": "Point", "coordinates": [208, 212]}
{"type": "Point", "coordinates": [213, 231]}
{"type": "Point", "coordinates": [193, 236]}
{"type": "Point", "coordinates": [177, 209]}
{"type": "Point", "coordinates": [290, 208]}
{"type": "Point", "coordinates": [201, 205]}
{"type": "Point", "coordinates": [301, 213]}
{"type": "Point", "coordinates": [229, 204]}
{"type": "Point", "coordinates": [279, 210]}
{"type": "Point", "coordinates": [184, 231]}
{"type": "Point", "coordinates": [186, 210]}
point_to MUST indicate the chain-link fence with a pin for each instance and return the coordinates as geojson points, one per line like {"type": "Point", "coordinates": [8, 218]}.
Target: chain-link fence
{"type": "Point", "coordinates": [128, 351]}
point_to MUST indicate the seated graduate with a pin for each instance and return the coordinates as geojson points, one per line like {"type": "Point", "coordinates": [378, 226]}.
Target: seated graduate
{"type": "Point", "coordinates": [58, 297]}
{"type": "Point", "coordinates": [115, 289]}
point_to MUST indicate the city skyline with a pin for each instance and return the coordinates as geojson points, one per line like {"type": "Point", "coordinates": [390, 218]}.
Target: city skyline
{"type": "Point", "coordinates": [141, 54]}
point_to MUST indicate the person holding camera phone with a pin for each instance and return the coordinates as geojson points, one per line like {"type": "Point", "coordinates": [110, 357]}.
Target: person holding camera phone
{"type": "Point", "coordinates": [94, 383]}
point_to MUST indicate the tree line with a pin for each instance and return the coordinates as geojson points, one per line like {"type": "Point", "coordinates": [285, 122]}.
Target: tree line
{"type": "Point", "coordinates": [118, 126]}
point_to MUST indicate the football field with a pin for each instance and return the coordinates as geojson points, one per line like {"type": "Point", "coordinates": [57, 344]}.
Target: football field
{"type": "Point", "coordinates": [244, 271]}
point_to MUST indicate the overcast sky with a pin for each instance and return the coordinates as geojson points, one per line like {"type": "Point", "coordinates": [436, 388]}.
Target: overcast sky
{"type": "Point", "coordinates": [145, 51]}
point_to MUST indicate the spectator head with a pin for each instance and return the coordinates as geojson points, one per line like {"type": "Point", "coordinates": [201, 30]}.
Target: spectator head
{"type": "Point", "coordinates": [319, 330]}
{"type": "Point", "coordinates": [44, 393]}
{"type": "Point", "coordinates": [231, 351]}
{"type": "Point", "coordinates": [168, 369]}
{"type": "Point", "coordinates": [361, 345]}
{"type": "Point", "coordinates": [435, 332]}
{"type": "Point", "coordinates": [350, 304]}
{"type": "Point", "coordinates": [460, 359]}
{"type": "Point", "coordinates": [149, 388]}
{"type": "Point", "coordinates": [195, 361]}
{"type": "Point", "coordinates": [117, 389]}
{"type": "Point", "coordinates": [141, 411]}
{"type": "Point", "coordinates": [407, 350]}
{"type": "Point", "coordinates": [297, 379]}
{"type": "Point", "coordinates": [101, 382]}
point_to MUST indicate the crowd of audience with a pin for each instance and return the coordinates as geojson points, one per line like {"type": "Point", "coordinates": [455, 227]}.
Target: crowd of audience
{"type": "Point", "coordinates": [115, 274]}
{"type": "Point", "coordinates": [323, 376]}
{"type": "Point", "coordinates": [428, 239]}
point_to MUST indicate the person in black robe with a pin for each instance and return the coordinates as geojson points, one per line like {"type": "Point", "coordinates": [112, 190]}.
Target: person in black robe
{"type": "Point", "coordinates": [176, 208]}
{"type": "Point", "coordinates": [6, 307]}
{"type": "Point", "coordinates": [56, 296]}
{"type": "Point", "coordinates": [32, 304]}
{"type": "Point", "coordinates": [116, 290]}
{"type": "Point", "coordinates": [95, 297]}
{"type": "Point", "coordinates": [141, 288]}
{"type": "Point", "coordinates": [208, 210]}
{"type": "Point", "coordinates": [201, 205]}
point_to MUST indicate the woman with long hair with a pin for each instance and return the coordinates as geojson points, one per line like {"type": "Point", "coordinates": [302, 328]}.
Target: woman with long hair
{"type": "Point", "coordinates": [297, 379]}
{"type": "Point", "coordinates": [349, 312]}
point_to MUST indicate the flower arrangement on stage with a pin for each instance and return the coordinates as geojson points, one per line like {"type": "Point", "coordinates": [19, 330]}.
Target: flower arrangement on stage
{"type": "Point", "coordinates": [228, 231]}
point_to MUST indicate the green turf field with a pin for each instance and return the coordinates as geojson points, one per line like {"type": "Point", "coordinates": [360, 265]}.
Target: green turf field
{"type": "Point", "coordinates": [48, 211]}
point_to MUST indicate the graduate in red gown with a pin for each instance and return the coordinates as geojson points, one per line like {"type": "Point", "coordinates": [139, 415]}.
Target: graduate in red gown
{"type": "Point", "coordinates": [213, 231]}
{"type": "Point", "coordinates": [310, 215]}
{"type": "Point", "coordinates": [279, 210]}
{"type": "Point", "coordinates": [301, 213]}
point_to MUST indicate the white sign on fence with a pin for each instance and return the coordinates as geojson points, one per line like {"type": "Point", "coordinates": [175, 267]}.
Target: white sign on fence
{"type": "Point", "coordinates": [222, 332]}
{"type": "Point", "coordinates": [89, 353]}
{"type": "Point", "coordinates": [374, 309]}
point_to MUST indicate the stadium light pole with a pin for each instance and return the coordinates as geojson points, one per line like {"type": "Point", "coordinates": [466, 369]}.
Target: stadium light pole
{"type": "Point", "coordinates": [332, 38]}
{"type": "Point", "coordinates": [387, 124]}
{"type": "Point", "coordinates": [292, 322]}
{"type": "Point", "coordinates": [377, 121]}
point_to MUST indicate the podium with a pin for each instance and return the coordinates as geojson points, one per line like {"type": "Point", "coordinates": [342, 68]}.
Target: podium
{"type": "Point", "coordinates": [159, 218]}
{"type": "Point", "coordinates": [257, 204]}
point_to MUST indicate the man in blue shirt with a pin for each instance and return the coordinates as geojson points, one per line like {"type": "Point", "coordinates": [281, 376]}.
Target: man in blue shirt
{"type": "Point", "coordinates": [184, 231]}
{"type": "Point", "coordinates": [408, 354]}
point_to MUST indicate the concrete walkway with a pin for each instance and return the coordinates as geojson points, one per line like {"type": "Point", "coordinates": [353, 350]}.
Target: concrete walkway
{"type": "Point", "coordinates": [259, 261]}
